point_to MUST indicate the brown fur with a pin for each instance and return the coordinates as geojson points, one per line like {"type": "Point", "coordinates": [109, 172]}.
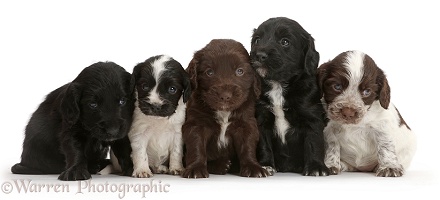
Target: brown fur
{"type": "Point", "coordinates": [223, 90]}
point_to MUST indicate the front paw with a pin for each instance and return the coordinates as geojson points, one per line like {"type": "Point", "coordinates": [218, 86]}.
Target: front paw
{"type": "Point", "coordinates": [141, 173]}
{"type": "Point", "coordinates": [196, 172]}
{"type": "Point", "coordinates": [220, 167]}
{"type": "Point", "coordinates": [270, 170]}
{"type": "Point", "coordinates": [334, 170]}
{"type": "Point", "coordinates": [74, 174]}
{"type": "Point", "coordinates": [389, 172]}
{"type": "Point", "coordinates": [177, 171]}
{"type": "Point", "coordinates": [161, 169]}
{"type": "Point", "coordinates": [253, 171]}
{"type": "Point", "coordinates": [316, 169]}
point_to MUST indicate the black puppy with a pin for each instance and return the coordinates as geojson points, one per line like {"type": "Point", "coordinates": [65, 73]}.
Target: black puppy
{"type": "Point", "coordinates": [71, 131]}
{"type": "Point", "coordinates": [289, 114]}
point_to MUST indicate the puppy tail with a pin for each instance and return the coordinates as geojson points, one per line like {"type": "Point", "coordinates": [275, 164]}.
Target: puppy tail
{"type": "Point", "coordinates": [21, 169]}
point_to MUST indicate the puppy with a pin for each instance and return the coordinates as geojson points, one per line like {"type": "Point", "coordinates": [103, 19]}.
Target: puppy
{"type": "Point", "coordinates": [365, 132]}
{"type": "Point", "coordinates": [162, 88]}
{"type": "Point", "coordinates": [290, 116]}
{"type": "Point", "coordinates": [71, 131]}
{"type": "Point", "coordinates": [220, 128]}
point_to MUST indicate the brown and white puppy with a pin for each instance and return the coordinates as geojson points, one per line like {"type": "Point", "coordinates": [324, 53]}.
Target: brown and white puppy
{"type": "Point", "coordinates": [220, 126]}
{"type": "Point", "coordinates": [365, 132]}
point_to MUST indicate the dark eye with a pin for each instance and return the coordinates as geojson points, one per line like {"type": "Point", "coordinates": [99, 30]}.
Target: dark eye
{"type": "Point", "coordinates": [285, 42]}
{"type": "Point", "coordinates": [366, 93]}
{"type": "Point", "coordinates": [145, 87]}
{"type": "Point", "coordinates": [239, 72]}
{"type": "Point", "coordinates": [122, 101]}
{"type": "Point", "coordinates": [93, 105]}
{"type": "Point", "coordinates": [337, 87]}
{"type": "Point", "coordinates": [257, 39]}
{"type": "Point", "coordinates": [172, 90]}
{"type": "Point", "coordinates": [209, 72]}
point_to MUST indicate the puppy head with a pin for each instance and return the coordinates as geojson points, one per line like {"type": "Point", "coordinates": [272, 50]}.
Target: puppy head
{"type": "Point", "coordinates": [100, 100]}
{"type": "Point", "coordinates": [221, 74]}
{"type": "Point", "coordinates": [351, 83]}
{"type": "Point", "coordinates": [282, 49]}
{"type": "Point", "coordinates": [160, 83]}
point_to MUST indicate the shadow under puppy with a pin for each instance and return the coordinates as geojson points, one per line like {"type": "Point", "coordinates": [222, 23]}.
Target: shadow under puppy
{"type": "Point", "coordinates": [220, 128]}
{"type": "Point", "coordinates": [162, 88]}
{"type": "Point", "coordinates": [365, 132]}
{"type": "Point", "coordinates": [71, 131]}
{"type": "Point", "coordinates": [290, 115]}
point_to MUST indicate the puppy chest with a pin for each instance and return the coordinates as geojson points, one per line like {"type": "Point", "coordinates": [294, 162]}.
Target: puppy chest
{"type": "Point", "coordinates": [358, 147]}
{"type": "Point", "coordinates": [222, 118]}
{"type": "Point", "coordinates": [275, 95]}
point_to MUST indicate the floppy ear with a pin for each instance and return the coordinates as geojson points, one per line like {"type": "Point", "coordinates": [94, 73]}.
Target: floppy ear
{"type": "Point", "coordinates": [321, 75]}
{"type": "Point", "coordinates": [385, 91]}
{"type": "Point", "coordinates": [70, 104]}
{"type": "Point", "coordinates": [312, 57]}
{"type": "Point", "coordinates": [257, 85]}
{"type": "Point", "coordinates": [192, 71]}
{"type": "Point", "coordinates": [187, 87]}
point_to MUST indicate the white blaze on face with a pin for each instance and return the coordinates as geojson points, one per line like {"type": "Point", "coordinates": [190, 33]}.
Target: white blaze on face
{"type": "Point", "coordinates": [158, 67]}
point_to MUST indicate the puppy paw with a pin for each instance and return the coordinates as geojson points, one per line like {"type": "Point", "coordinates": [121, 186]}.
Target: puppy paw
{"type": "Point", "coordinates": [196, 172]}
{"type": "Point", "coordinates": [161, 169]}
{"type": "Point", "coordinates": [253, 171]}
{"type": "Point", "coordinates": [220, 167]}
{"type": "Point", "coordinates": [389, 172]}
{"type": "Point", "coordinates": [270, 170]}
{"type": "Point", "coordinates": [334, 170]}
{"type": "Point", "coordinates": [316, 169]}
{"type": "Point", "coordinates": [74, 174]}
{"type": "Point", "coordinates": [142, 173]}
{"type": "Point", "coordinates": [177, 171]}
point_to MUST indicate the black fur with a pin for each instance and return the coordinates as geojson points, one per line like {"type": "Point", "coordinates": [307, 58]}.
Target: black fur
{"type": "Point", "coordinates": [293, 64]}
{"type": "Point", "coordinates": [71, 131]}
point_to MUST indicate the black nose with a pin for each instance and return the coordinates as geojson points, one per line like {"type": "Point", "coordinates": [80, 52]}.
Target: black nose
{"type": "Point", "coordinates": [225, 96]}
{"type": "Point", "coordinates": [261, 56]}
{"type": "Point", "coordinates": [110, 126]}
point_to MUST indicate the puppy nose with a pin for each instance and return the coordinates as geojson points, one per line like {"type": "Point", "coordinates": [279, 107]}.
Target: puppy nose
{"type": "Point", "coordinates": [261, 56]}
{"type": "Point", "coordinates": [156, 107]}
{"type": "Point", "coordinates": [348, 113]}
{"type": "Point", "coordinates": [225, 96]}
{"type": "Point", "coordinates": [110, 126]}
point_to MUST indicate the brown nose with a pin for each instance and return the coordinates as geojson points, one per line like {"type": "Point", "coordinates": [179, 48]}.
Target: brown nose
{"type": "Point", "coordinates": [348, 113]}
{"type": "Point", "coordinates": [225, 95]}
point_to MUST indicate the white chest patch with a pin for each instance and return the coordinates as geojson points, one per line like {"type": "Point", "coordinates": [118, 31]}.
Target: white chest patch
{"type": "Point", "coordinates": [222, 119]}
{"type": "Point", "coordinates": [277, 100]}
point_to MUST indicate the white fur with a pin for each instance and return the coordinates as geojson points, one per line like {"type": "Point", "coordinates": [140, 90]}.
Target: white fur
{"type": "Point", "coordinates": [377, 142]}
{"type": "Point", "coordinates": [223, 119]}
{"type": "Point", "coordinates": [154, 140]}
{"type": "Point", "coordinates": [276, 97]}
{"type": "Point", "coordinates": [158, 67]}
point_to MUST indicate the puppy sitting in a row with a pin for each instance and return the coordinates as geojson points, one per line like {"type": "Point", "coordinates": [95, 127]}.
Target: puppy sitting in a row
{"type": "Point", "coordinates": [365, 132]}
{"type": "Point", "coordinates": [71, 131]}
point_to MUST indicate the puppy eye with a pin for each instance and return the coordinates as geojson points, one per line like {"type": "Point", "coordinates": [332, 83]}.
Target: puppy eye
{"type": "Point", "coordinates": [145, 87]}
{"type": "Point", "coordinates": [337, 87]}
{"type": "Point", "coordinates": [284, 42]}
{"type": "Point", "coordinates": [257, 40]}
{"type": "Point", "coordinates": [172, 90]}
{"type": "Point", "coordinates": [209, 72]}
{"type": "Point", "coordinates": [122, 101]}
{"type": "Point", "coordinates": [239, 72]}
{"type": "Point", "coordinates": [93, 105]}
{"type": "Point", "coordinates": [366, 93]}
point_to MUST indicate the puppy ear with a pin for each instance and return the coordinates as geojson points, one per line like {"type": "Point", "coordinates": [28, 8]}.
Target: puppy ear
{"type": "Point", "coordinates": [321, 75]}
{"type": "Point", "coordinates": [70, 104]}
{"type": "Point", "coordinates": [187, 87]}
{"type": "Point", "coordinates": [385, 91]}
{"type": "Point", "coordinates": [312, 57]}
{"type": "Point", "coordinates": [192, 71]}
{"type": "Point", "coordinates": [257, 85]}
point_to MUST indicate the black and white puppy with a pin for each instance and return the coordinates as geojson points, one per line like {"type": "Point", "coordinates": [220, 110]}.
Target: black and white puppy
{"type": "Point", "coordinates": [71, 131]}
{"type": "Point", "coordinates": [289, 113]}
{"type": "Point", "coordinates": [365, 132]}
{"type": "Point", "coordinates": [162, 88]}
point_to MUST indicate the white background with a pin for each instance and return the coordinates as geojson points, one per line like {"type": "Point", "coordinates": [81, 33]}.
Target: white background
{"type": "Point", "coordinates": [45, 44]}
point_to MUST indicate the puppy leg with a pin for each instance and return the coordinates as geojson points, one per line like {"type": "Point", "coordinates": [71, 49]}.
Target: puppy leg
{"type": "Point", "coordinates": [314, 147]}
{"type": "Point", "coordinates": [76, 161]}
{"type": "Point", "coordinates": [122, 150]}
{"type": "Point", "coordinates": [388, 163]}
{"type": "Point", "coordinates": [139, 155]}
{"type": "Point", "coordinates": [176, 167]}
{"type": "Point", "coordinates": [333, 152]}
{"type": "Point", "coordinates": [264, 148]}
{"type": "Point", "coordinates": [195, 138]}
